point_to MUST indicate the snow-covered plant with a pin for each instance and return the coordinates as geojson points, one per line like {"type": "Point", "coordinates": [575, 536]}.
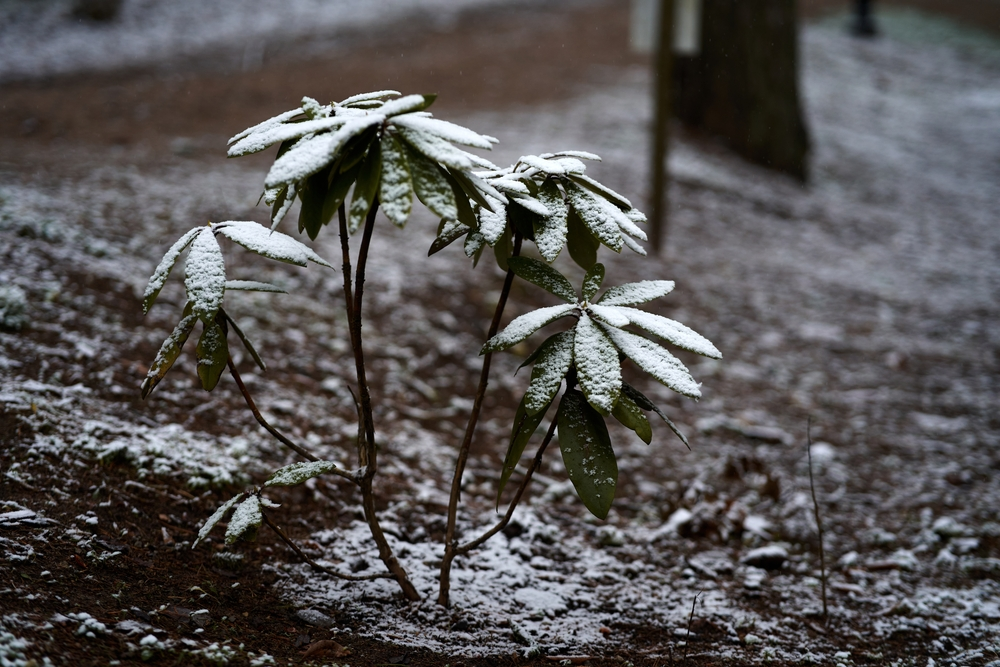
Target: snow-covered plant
{"type": "Point", "coordinates": [375, 151]}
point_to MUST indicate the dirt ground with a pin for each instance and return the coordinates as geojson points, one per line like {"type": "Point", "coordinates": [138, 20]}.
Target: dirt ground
{"type": "Point", "coordinates": [864, 304]}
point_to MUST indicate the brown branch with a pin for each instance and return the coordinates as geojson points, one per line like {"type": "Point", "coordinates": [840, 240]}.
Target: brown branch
{"type": "Point", "coordinates": [450, 542]}
{"type": "Point", "coordinates": [535, 464]}
{"type": "Point", "coordinates": [819, 523]}
{"type": "Point", "coordinates": [316, 566]}
{"type": "Point", "coordinates": [345, 251]}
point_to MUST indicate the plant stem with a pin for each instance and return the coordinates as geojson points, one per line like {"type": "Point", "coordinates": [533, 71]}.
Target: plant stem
{"type": "Point", "coordinates": [317, 566]}
{"type": "Point", "coordinates": [367, 450]}
{"type": "Point", "coordinates": [535, 463]}
{"type": "Point", "coordinates": [819, 523]}
{"type": "Point", "coordinates": [450, 543]}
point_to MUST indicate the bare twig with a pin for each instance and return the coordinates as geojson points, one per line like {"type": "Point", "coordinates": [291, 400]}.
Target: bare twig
{"type": "Point", "coordinates": [819, 523]}
{"type": "Point", "coordinates": [687, 638]}
{"type": "Point", "coordinates": [316, 566]}
{"type": "Point", "coordinates": [535, 463]}
{"type": "Point", "coordinates": [450, 542]}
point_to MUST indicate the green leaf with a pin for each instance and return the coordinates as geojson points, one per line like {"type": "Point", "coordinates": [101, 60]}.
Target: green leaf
{"type": "Point", "coordinates": [465, 213]}
{"type": "Point", "coordinates": [216, 517]}
{"type": "Point", "coordinates": [503, 249]}
{"type": "Point", "coordinates": [597, 365]}
{"type": "Point", "coordinates": [594, 216]}
{"type": "Point", "coordinates": [524, 325]}
{"type": "Point", "coordinates": [337, 192]}
{"type": "Point", "coordinates": [602, 190]}
{"type": "Point", "coordinates": [365, 188]}
{"type": "Point", "coordinates": [162, 271]}
{"type": "Point", "coordinates": [541, 274]}
{"type": "Point", "coordinates": [530, 359]}
{"type": "Point", "coordinates": [431, 185]}
{"type": "Point", "coordinates": [473, 187]}
{"type": "Point", "coordinates": [554, 362]}
{"type": "Point", "coordinates": [396, 187]}
{"type": "Point", "coordinates": [655, 360]}
{"type": "Point", "coordinates": [313, 195]}
{"type": "Point", "coordinates": [582, 245]}
{"type": "Point", "coordinates": [646, 404]}
{"type": "Point", "coordinates": [592, 281]}
{"type": "Point", "coordinates": [297, 473]}
{"type": "Point", "coordinates": [283, 202]}
{"type": "Point", "coordinates": [169, 351]}
{"type": "Point", "coordinates": [274, 245]}
{"type": "Point", "coordinates": [243, 339]}
{"type": "Point", "coordinates": [524, 221]}
{"type": "Point", "coordinates": [550, 231]}
{"type": "Point", "coordinates": [524, 427]}
{"type": "Point", "coordinates": [253, 286]}
{"type": "Point", "coordinates": [212, 353]}
{"type": "Point", "coordinates": [205, 275]}
{"type": "Point", "coordinates": [449, 231]}
{"type": "Point", "coordinates": [587, 453]}
{"type": "Point", "coordinates": [474, 244]}
{"type": "Point", "coordinates": [632, 417]}
{"type": "Point", "coordinates": [245, 521]}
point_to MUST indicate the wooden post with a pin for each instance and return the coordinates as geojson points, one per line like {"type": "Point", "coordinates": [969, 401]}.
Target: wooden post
{"type": "Point", "coordinates": [661, 128]}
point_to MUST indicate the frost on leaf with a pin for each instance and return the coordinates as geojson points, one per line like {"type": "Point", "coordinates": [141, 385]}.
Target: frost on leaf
{"type": "Point", "coordinates": [597, 366]}
{"type": "Point", "coordinates": [547, 374]}
{"type": "Point", "coordinates": [212, 353]}
{"type": "Point", "coordinates": [306, 158]}
{"type": "Point", "coordinates": [216, 518]}
{"type": "Point", "coordinates": [245, 521]}
{"type": "Point", "coordinates": [252, 286]}
{"type": "Point", "coordinates": [205, 275]}
{"type": "Point", "coordinates": [456, 134]}
{"type": "Point", "coordinates": [430, 185]}
{"type": "Point", "coordinates": [441, 151]}
{"type": "Point", "coordinates": [551, 167]}
{"type": "Point", "coordinates": [525, 325]}
{"type": "Point", "coordinates": [544, 276]}
{"type": "Point", "coordinates": [609, 315]}
{"type": "Point", "coordinates": [267, 124]}
{"type": "Point", "coordinates": [672, 331]}
{"type": "Point", "coordinates": [595, 216]}
{"type": "Point", "coordinates": [655, 360]}
{"type": "Point", "coordinates": [274, 245]}
{"type": "Point", "coordinates": [159, 277]}
{"type": "Point", "coordinates": [297, 473]}
{"type": "Point", "coordinates": [406, 105]}
{"type": "Point", "coordinates": [169, 351]}
{"type": "Point", "coordinates": [550, 232]}
{"type": "Point", "coordinates": [631, 294]}
{"type": "Point", "coordinates": [377, 95]}
{"type": "Point", "coordinates": [396, 187]}
{"type": "Point", "coordinates": [258, 141]}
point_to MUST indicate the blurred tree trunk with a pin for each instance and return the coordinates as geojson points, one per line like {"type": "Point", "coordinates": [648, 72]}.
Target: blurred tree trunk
{"type": "Point", "coordinates": [743, 85]}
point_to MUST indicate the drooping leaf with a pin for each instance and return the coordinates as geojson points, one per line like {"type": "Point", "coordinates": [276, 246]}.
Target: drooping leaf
{"type": "Point", "coordinates": [655, 360]}
{"type": "Point", "coordinates": [598, 369]}
{"type": "Point", "coordinates": [462, 204]}
{"type": "Point", "coordinates": [449, 231]}
{"type": "Point", "coordinates": [492, 225]}
{"type": "Point", "coordinates": [297, 473]}
{"type": "Point", "coordinates": [521, 219]}
{"type": "Point", "coordinates": [337, 192]}
{"type": "Point", "coordinates": [474, 244]}
{"type": "Point", "coordinates": [525, 325]}
{"type": "Point", "coordinates": [162, 271]}
{"type": "Point", "coordinates": [646, 404]}
{"type": "Point", "coordinates": [258, 141]}
{"type": "Point", "coordinates": [216, 517]}
{"type": "Point", "coordinates": [594, 216]}
{"type": "Point", "coordinates": [554, 360]}
{"type": "Point", "coordinates": [282, 204]}
{"type": "Point", "coordinates": [550, 167]}
{"type": "Point", "coordinates": [503, 249]}
{"type": "Point", "coordinates": [592, 281]}
{"type": "Point", "coordinates": [406, 105]}
{"type": "Point", "coordinates": [377, 95]}
{"type": "Point", "coordinates": [632, 294]}
{"type": "Point", "coordinates": [456, 134]}
{"type": "Point", "coordinates": [396, 187]}
{"type": "Point", "coordinates": [205, 275]}
{"type": "Point", "coordinates": [440, 151]}
{"type": "Point", "coordinates": [253, 286]}
{"type": "Point", "coordinates": [431, 186]}
{"type": "Point", "coordinates": [243, 339]}
{"type": "Point", "coordinates": [169, 351]}
{"type": "Point", "coordinates": [544, 276]}
{"type": "Point", "coordinates": [587, 453]}
{"type": "Point", "coordinates": [309, 157]}
{"type": "Point", "coordinates": [245, 521]}
{"type": "Point", "coordinates": [269, 123]}
{"type": "Point", "coordinates": [365, 188]}
{"type": "Point", "coordinates": [523, 428]}
{"type": "Point", "coordinates": [212, 353]}
{"type": "Point", "coordinates": [313, 195]}
{"type": "Point", "coordinates": [602, 190]}
{"type": "Point", "coordinates": [273, 245]}
{"type": "Point", "coordinates": [477, 189]}
{"type": "Point", "coordinates": [582, 245]}
{"type": "Point", "coordinates": [673, 331]}
{"type": "Point", "coordinates": [631, 417]}
{"type": "Point", "coordinates": [550, 230]}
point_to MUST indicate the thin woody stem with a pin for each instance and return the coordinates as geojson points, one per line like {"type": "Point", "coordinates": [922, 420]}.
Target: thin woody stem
{"type": "Point", "coordinates": [450, 543]}
{"type": "Point", "coordinates": [535, 463]}
{"type": "Point", "coordinates": [316, 566]}
{"type": "Point", "coordinates": [367, 449]}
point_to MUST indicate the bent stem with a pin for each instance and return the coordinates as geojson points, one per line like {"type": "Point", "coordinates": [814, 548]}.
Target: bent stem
{"type": "Point", "coordinates": [316, 566]}
{"type": "Point", "coordinates": [367, 449]}
{"type": "Point", "coordinates": [450, 543]}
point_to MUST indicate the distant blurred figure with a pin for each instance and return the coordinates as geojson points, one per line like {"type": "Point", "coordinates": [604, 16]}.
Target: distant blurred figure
{"type": "Point", "coordinates": [863, 25]}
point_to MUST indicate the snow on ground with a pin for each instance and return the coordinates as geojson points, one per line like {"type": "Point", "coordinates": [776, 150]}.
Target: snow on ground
{"type": "Point", "coordinates": [867, 301]}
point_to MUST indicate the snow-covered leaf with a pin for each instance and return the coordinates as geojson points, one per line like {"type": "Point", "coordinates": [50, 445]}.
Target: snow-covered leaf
{"type": "Point", "coordinates": [592, 282]}
{"type": "Point", "coordinates": [524, 427]}
{"type": "Point", "coordinates": [550, 167]}
{"type": "Point", "coordinates": [491, 225]}
{"type": "Point", "coordinates": [365, 188]}
{"type": "Point", "coordinates": [406, 105]}
{"type": "Point", "coordinates": [525, 325]}
{"type": "Point", "coordinates": [274, 245]}
{"type": "Point", "coordinates": [245, 521]}
{"type": "Point", "coordinates": [602, 190]}
{"type": "Point", "coordinates": [253, 286]}
{"type": "Point", "coordinates": [448, 232]}
{"type": "Point", "coordinates": [169, 351]}
{"type": "Point", "coordinates": [632, 417]}
{"type": "Point", "coordinates": [608, 315]}
{"type": "Point", "coordinates": [212, 353]}
{"type": "Point", "coordinates": [309, 157]}
{"type": "Point", "coordinates": [282, 204]}
{"type": "Point", "coordinates": [456, 134]}
{"type": "Point", "coordinates": [267, 124]}
{"type": "Point", "coordinates": [396, 187]}
{"type": "Point", "coordinates": [583, 155]}
{"type": "Point", "coordinates": [530, 203]}
{"type": "Point", "coordinates": [431, 186]}
{"type": "Point", "coordinates": [544, 276]}
{"type": "Point", "coordinates": [582, 245]}
{"type": "Point", "coordinates": [587, 453]}
{"type": "Point", "coordinates": [159, 277]}
{"type": "Point", "coordinates": [671, 330]}
{"type": "Point", "coordinates": [205, 275]}
{"type": "Point", "coordinates": [655, 360]}
{"type": "Point", "coordinates": [553, 362]}
{"type": "Point", "coordinates": [297, 473]}
{"type": "Point", "coordinates": [598, 369]}
{"type": "Point", "coordinates": [440, 151]}
{"type": "Point", "coordinates": [631, 294]}
{"type": "Point", "coordinates": [216, 517]}
{"type": "Point", "coordinates": [367, 97]}
{"type": "Point", "coordinates": [594, 215]}
{"type": "Point", "coordinates": [258, 141]}
{"type": "Point", "coordinates": [474, 243]}
{"type": "Point", "coordinates": [550, 231]}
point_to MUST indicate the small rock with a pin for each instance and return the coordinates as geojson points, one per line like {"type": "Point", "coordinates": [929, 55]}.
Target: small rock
{"type": "Point", "coordinates": [945, 526]}
{"type": "Point", "coordinates": [749, 640]}
{"type": "Point", "coordinates": [315, 618]}
{"type": "Point", "coordinates": [771, 557]}
{"type": "Point", "coordinates": [609, 536]}
{"type": "Point", "coordinates": [201, 618]}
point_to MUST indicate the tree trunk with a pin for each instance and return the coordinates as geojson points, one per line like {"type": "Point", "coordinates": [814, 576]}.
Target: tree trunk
{"type": "Point", "coordinates": [743, 85]}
